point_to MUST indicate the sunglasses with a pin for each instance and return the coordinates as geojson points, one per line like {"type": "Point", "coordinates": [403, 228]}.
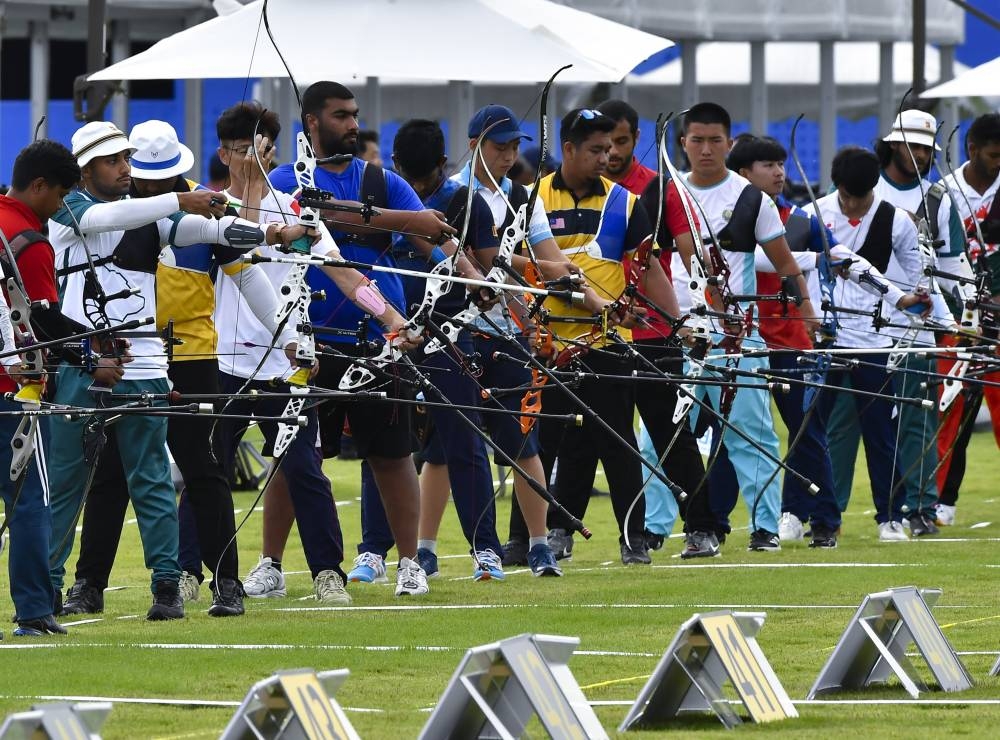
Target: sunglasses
{"type": "Point", "coordinates": [587, 114]}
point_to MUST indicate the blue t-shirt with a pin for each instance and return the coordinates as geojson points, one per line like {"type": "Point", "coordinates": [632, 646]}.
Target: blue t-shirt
{"type": "Point", "coordinates": [337, 310]}
{"type": "Point", "coordinates": [482, 235]}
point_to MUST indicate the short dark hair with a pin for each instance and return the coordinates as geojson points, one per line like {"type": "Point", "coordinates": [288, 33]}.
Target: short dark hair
{"type": "Point", "coordinates": [748, 149]}
{"type": "Point", "coordinates": [619, 110]}
{"type": "Point", "coordinates": [577, 125]}
{"type": "Point", "coordinates": [708, 113]}
{"type": "Point", "coordinates": [316, 95]}
{"type": "Point", "coordinates": [984, 130]}
{"type": "Point", "coordinates": [241, 121]}
{"type": "Point", "coordinates": [418, 147]}
{"type": "Point", "coordinates": [217, 170]}
{"type": "Point", "coordinates": [856, 169]}
{"type": "Point", "coordinates": [47, 159]}
{"type": "Point", "coordinates": [366, 137]}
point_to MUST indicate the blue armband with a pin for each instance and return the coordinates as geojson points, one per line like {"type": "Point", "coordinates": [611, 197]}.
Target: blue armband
{"type": "Point", "coordinates": [438, 255]}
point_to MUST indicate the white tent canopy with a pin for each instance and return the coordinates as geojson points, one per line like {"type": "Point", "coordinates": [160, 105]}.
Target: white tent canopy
{"type": "Point", "coordinates": [532, 38]}
{"type": "Point", "coordinates": [979, 82]}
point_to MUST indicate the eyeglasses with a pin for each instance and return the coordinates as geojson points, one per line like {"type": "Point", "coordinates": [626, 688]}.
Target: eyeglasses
{"type": "Point", "coordinates": [588, 114]}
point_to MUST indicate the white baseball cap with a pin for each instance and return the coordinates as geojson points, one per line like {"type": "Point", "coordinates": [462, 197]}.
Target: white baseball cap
{"type": "Point", "coordinates": [158, 154]}
{"type": "Point", "coordinates": [914, 127]}
{"type": "Point", "coordinates": [98, 139]}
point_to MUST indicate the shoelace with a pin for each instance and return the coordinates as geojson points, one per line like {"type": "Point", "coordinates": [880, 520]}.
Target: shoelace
{"type": "Point", "coordinates": [488, 560]}
{"type": "Point", "coordinates": [409, 575]}
{"type": "Point", "coordinates": [328, 582]}
{"type": "Point", "coordinates": [372, 560]}
{"type": "Point", "coordinates": [261, 575]}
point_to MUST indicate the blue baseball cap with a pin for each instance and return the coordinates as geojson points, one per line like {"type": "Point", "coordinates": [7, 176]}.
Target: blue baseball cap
{"type": "Point", "coordinates": [505, 131]}
{"type": "Point", "coordinates": [531, 155]}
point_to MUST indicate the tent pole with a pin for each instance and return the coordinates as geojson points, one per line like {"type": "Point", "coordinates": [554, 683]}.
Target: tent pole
{"type": "Point", "coordinates": [886, 87]}
{"type": "Point", "coordinates": [949, 106]}
{"type": "Point", "coordinates": [827, 112]}
{"type": "Point", "coordinates": [919, 46]}
{"type": "Point", "coordinates": [120, 51]}
{"type": "Point", "coordinates": [39, 33]}
{"type": "Point", "coordinates": [758, 89]}
{"type": "Point", "coordinates": [373, 104]}
{"type": "Point", "coordinates": [462, 100]}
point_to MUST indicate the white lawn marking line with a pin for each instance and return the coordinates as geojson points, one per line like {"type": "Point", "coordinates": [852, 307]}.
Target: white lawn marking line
{"type": "Point", "coordinates": [957, 539]}
{"type": "Point", "coordinates": [173, 702]}
{"type": "Point", "coordinates": [980, 525]}
{"type": "Point", "coordinates": [795, 565]}
{"type": "Point", "coordinates": [254, 647]}
{"type": "Point", "coordinates": [454, 607]}
{"type": "Point", "coordinates": [942, 702]}
{"type": "Point", "coordinates": [391, 608]}
{"type": "Point", "coordinates": [82, 621]}
{"type": "Point", "coordinates": [828, 702]}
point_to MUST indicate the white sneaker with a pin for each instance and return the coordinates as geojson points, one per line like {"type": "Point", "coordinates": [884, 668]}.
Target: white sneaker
{"type": "Point", "coordinates": [188, 587]}
{"type": "Point", "coordinates": [944, 515]}
{"type": "Point", "coordinates": [264, 581]}
{"type": "Point", "coordinates": [330, 588]}
{"type": "Point", "coordinates": [790, 528]}
{"type": "Point", "coordinates": [410, 578]}
{"type": "Point", "coordinates": [368, 568]}
{"type": "Point", "coordinates": [891, 532]}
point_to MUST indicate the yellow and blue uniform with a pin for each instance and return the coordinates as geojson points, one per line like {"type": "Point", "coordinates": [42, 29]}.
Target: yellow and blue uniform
{"type": "Point", "coordinates": [595, 232]}
{"type": "Point", "coordinates": [185, 292]}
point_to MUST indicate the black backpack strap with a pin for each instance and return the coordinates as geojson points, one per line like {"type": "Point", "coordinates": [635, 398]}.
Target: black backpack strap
{"type": "Point", "coordinates": [374, 192]}
{"type": "Point", "coordinates": [739, 234]}
{"type": "Point", "coordinates": [454, 214]}
{"type": "Point", "coordinates": [877, 247]}
{"type": "Point", "coordinates": [798, 229]}
{"type": "Point", "coordinates": [934, 196]}
{"type": "Point", "coordinates": [18, 243]}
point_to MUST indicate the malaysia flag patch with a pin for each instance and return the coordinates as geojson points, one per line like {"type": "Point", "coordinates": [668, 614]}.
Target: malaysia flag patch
{"type": "Point", "coordinates": [557, 223]}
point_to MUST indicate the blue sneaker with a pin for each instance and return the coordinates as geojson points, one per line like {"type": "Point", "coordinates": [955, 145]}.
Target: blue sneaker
{"type": "Point", "coordinates": [428, 561]}
{"type": "Point", "coordinates": [39, 627]}
{"type": "Point", "coordinates": [488, 566]}
{"type": "Point", "coordinates": [542, 561]}
{"type": "Point", "coordinates": [368, 568]}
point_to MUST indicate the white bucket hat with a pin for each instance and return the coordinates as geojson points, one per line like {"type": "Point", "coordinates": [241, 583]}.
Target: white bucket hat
{"type": "Point", "coordinates": [158, 154]}
{"type": "Point", "coordinates": [98, 139]}
{"type": "Point", "coordinates": [914, 127]}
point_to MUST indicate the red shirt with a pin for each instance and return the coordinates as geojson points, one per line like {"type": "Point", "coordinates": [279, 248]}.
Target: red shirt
{"type": "Point", "coordinates": [780, 330]}
{"type": "Point", "coordinates": [36, 262]}
{"type": "Point", "coordinates": [674, 223]}
{"type": "Point", "coordinates": [637, 178]}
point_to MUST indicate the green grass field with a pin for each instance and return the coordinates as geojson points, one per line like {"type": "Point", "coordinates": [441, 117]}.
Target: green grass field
{"type": "Point", "coordinates": [400, 661]}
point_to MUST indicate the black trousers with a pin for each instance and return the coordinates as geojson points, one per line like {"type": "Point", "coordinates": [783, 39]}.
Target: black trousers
{"type": "Point", "coordinates": [206, 488]}
{"type": "Point", "coordinates": [683, 464]}
{"type": "Point", "coordinates": [581, 448]}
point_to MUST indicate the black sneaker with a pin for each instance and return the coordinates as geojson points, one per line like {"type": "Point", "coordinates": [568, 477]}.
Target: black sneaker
{"type": "Point", "coordinates": [167, 602]}
{"type": "Point", "coordinates": [635, 553]}
{"type": "Point", "coordinates": [82, 598]}
{"type": "Point", "coordinates": [46, 625]}
{"type": "Point", "coordinates": [764, 541]}
{"type": "Point", "coordinates": [515, 552]}
{"type": "Point", "coordinates": [227, 598]}
{"type": "Point", "coordinates": [922, 524]}
{"type": "Point", "coordinates": [561, 543]}
{"type": "Point", "coordinates": [700, 545]}
{"type": "Point", "coordinates": [654, 541]}
{"type": "Point", "coordinates": [823, 538]}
